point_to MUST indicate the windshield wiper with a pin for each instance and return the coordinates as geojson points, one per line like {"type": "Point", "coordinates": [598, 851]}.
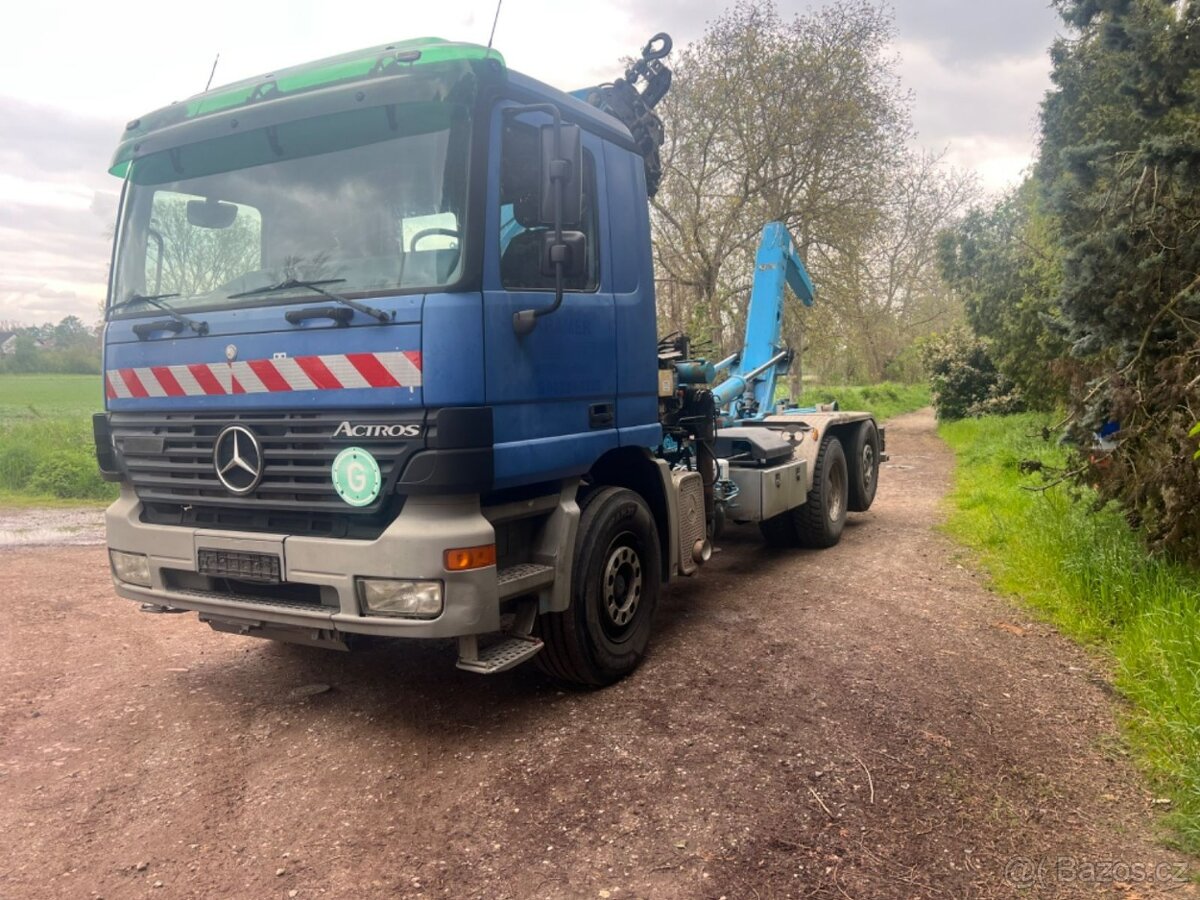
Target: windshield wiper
{"type": "Point", "coordinates": [155, 300]}
{"type": "Point", "coordinates": [292, 284]}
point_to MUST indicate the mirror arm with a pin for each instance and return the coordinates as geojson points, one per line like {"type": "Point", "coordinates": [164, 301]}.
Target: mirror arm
{"type": "Point", "coordinates": [525, 320]}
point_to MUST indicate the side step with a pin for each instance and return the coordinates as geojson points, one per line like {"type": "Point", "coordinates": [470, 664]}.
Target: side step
{"type": "Point", "coordinates": [523, 578]}
{"type": "Point", "coordinates": [498, 657]}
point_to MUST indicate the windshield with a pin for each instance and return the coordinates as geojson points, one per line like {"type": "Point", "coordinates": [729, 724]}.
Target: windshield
{"type": "Point", "coordinates": [373, 198]}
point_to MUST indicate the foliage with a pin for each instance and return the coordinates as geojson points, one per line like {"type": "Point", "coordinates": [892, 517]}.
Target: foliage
{"type": "Point", "coordinates": [1005, 264]}
{"type": "Point", "coordinates": [801, 120]}
{"type": "Point", "coordinates": [1120, 170]}
{"type": "Point", "coordinates": [68, 347]}
{"type": "Point", "coordinates": [67, 473]}
{"type": "Point", "coordinates": [964, 379]}
{"type": "Point", "coordinates": [1082, 568]}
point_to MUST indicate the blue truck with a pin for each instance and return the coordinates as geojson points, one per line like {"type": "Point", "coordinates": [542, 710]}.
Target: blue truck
{"type": "Point", "coordinates": [380, 359]}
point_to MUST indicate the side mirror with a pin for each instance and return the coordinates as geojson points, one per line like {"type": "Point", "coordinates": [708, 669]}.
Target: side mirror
{"type": "Point", "coordinates": [566, 163]}
{"type": "Point", "coordinates": [211, 213]}
{"type": "Point", "coordinates": [571, 252]}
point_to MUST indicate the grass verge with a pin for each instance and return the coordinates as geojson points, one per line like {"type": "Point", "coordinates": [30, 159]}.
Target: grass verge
{"type": "Point", "coordinates": [46, 447]}
{"type": "Point", "coordinates": [883, 400]}
{"type": "Point", "coordinates": [1084, 570]}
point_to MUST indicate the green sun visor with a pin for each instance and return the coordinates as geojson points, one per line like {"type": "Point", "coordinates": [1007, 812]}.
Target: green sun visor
{"type": "Point", "coordinates": [360, 67]}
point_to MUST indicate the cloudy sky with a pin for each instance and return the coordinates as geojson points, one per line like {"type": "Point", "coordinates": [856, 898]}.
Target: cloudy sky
{"type": "Point", "coordinates": [72, 73]}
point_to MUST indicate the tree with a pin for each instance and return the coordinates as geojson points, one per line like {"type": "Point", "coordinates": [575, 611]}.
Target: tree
{"type": "Point", "coordinates": [1005, 264]}
{"type": "Point", "coordinates": [1120, 171]}
{"type": "Point", "coordinates": [197, 260]}
{"type": "Point", "coordinates": [802, 121]}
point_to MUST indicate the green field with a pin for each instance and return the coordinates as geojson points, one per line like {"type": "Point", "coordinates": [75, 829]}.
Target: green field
{"type": "Point", "coordinates": [32, 397]}
{"type": "Point", "coordinates": [46, 438]}
{"type": "Point", "coordinates": [1083, 569]}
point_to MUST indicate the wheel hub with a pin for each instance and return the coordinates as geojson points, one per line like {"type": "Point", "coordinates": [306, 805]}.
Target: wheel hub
{"type": "Point", "coordinates": [868, 465]}
{"type": "Point", "coordinates": [622, 585]}
{"type": "Point", "coordinates": [837, 492]}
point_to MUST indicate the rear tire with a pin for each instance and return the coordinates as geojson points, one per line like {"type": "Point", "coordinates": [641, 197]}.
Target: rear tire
{"type": "Point", "coordinates": [819, 522]}
{"type": "Point", "coordinates": [863, 458]}
{"type": "Point", "coordinates": [617, 573]}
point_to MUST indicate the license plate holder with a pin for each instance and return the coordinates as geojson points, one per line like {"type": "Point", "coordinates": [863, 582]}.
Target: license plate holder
{"type": "Point", "coordinates": [241, 565]}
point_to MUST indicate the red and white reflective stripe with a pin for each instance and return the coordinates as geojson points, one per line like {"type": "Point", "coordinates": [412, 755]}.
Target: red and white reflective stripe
{"type": "Point", "coordinates": [395, 369]}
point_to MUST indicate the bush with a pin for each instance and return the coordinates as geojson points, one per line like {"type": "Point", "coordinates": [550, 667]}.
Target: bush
{"type": "Point", "coordinates": [964, 379]}
{"type": "Point", "coordinates": [67, 473]}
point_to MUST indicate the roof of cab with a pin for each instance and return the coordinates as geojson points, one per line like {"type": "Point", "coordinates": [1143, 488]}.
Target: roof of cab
{"type": "Point", "coordinates": [357, 65]}
{"type": "Point", "coordinates": [347, 68]}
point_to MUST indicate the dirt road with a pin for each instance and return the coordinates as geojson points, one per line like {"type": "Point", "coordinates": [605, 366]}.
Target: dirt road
{"type": "Point", "coordinates": [862, 722]}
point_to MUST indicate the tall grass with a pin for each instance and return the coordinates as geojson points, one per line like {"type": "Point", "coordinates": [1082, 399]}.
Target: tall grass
{"type": "Point", "coordinates": [1084, 570]}
{"type": "Point", "coordinates": [883, 400]}
{"type": "Point", "coordinates": [46, 438]}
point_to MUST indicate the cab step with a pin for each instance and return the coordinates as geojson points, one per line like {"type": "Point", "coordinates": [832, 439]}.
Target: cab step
{"type": "Point", "coordinates": [498, 657]}
{"type": "Point", "coordinates": [523, 578]}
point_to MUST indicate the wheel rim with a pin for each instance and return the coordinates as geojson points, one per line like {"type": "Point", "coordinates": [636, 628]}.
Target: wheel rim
{"type": "Point", "coordinates": [837, 492]}
{"type": "Point", "coordinates": [868, 466]}
{"type": "Point", "coordinates": [621, 589]}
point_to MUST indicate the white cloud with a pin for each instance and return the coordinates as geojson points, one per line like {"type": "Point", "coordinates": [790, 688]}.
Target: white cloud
{"type": "Point", "coordinates": [982, 112]}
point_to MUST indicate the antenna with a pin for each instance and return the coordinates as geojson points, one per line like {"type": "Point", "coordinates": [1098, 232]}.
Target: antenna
{"type": "Point", "coordinates": [494, 21]}
{"type": "Point", "coordinates": [214, 71]}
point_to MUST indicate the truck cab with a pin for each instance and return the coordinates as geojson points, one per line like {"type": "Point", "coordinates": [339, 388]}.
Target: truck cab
{"type": "Point", "coordinates": [357, 381]}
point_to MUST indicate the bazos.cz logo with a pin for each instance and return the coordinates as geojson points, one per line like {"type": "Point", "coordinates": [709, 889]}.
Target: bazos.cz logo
{"type": "Point", "coordinates": [362, 430]}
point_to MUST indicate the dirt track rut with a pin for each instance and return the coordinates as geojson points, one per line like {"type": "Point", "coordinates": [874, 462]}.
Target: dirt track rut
{"type": "Point", "coordinates": [861, 722]}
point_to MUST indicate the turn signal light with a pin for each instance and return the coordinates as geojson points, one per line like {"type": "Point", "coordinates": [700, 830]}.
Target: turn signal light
{"type": "Point", "coordinates": [464, 558]}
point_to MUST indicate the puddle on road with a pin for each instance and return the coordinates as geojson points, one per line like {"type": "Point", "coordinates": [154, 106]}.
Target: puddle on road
{"type": "Point", "coordinates": [53, 527]}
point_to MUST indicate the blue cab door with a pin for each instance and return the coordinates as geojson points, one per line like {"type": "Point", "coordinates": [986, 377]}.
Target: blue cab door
{"type": "Point", "coordinates": [553, 392]}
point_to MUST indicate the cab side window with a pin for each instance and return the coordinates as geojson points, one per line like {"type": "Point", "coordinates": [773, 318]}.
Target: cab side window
{"type": "Point", "coordinates": [521, 235]}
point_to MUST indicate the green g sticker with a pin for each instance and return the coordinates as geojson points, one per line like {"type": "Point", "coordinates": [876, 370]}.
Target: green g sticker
{"type": "Point", "coordinates": [356, 476]}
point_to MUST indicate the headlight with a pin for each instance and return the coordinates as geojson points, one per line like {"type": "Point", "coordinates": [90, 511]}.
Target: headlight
{"type": "Point", "coordinates": [132, 568]}
{"type": "Point", "coordinates": [409, 599]}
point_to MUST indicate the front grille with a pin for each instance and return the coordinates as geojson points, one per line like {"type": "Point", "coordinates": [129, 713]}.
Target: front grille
{"type": "Point", "coordinates": [169, 460]}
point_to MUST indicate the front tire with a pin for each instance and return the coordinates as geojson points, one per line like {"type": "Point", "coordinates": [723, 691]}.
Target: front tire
{"type": "Point", "coordinates": [617, 573]}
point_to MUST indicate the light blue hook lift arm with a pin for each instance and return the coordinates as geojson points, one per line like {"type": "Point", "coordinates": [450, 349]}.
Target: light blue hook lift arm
{"type": "Point", "coordinates": [777, 266]}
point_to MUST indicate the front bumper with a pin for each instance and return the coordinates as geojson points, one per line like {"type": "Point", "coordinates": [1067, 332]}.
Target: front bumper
{"type": "Point", "coordinates": [411, 547]}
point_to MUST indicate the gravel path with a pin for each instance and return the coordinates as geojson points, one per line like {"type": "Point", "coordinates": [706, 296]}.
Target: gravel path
{"type": "Point", "coordinates": [867, 721]}
{"type": "Point", "coordinates": [67, 527]}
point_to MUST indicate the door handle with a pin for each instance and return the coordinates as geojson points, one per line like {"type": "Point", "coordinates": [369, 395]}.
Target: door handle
{"type": "Point", "coordinates": [600, 415]}
{"type": "Point", "coordinates": [340, 314]}
{"type": "Point", "coordinates": [145, 329]}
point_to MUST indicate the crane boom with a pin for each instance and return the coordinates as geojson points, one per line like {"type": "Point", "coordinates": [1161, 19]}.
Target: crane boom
{"type": "Point", "coordinates": [749, 390]}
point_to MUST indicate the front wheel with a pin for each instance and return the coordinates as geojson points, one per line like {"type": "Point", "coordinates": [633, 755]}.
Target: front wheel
{"type": "Point", "coordinates": [617, 573]}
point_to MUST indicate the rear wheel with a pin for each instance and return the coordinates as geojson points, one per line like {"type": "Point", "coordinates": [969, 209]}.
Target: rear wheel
{"type": "Point", "coordinates": [863, 458]}
{"type": "Point", "coordinates": [819, 522]}
{"type": "Point", "coordinates": [603, 635]}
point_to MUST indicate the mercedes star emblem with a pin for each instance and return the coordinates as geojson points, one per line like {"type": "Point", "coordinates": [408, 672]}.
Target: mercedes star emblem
{"type": "Point", "coordinates": [238, 459]}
